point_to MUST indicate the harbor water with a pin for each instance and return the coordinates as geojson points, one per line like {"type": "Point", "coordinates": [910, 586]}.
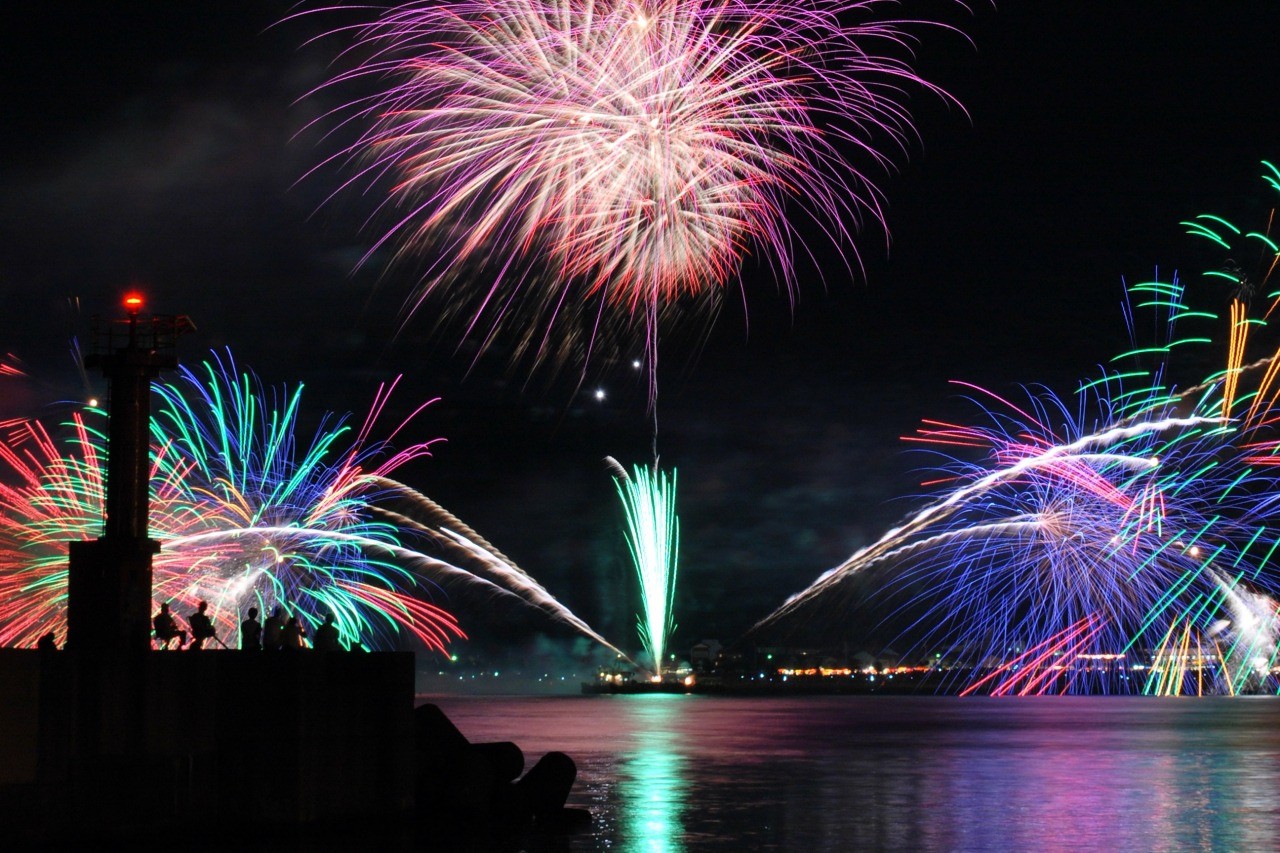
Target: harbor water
{"type": "Point", "coordinates": [841, 773]}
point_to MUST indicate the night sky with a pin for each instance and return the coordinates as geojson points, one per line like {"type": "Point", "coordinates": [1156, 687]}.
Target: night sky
{"type": "Point", "coordinates": [150, 144]}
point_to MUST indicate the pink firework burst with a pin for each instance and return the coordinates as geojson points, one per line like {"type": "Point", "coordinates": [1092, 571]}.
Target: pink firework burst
{"type": "Point", "coordinates": [635, 152]}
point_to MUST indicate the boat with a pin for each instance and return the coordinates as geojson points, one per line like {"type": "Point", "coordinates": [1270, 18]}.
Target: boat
{"type": "Point", "coordinates": [625, 681]}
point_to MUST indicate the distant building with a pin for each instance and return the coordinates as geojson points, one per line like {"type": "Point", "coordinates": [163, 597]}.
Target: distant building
{"type": "Point", "coordinates": [703, 655]}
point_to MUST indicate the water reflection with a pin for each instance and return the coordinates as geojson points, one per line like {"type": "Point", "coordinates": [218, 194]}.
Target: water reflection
{"type": "Point", "coordinates": [651, 781]}
{"type": "Point", "coordinates": [682, 773]}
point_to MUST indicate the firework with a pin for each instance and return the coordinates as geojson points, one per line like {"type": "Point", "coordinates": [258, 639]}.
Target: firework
{"type": "Point", "coordinates": [1120, 542]}
{"type": "Point", "coordinates": [1123, 541]}
{"type": "Point", "coordinates": [247, 512]}
{"type": "Point", "coordinates": [638, 151]}
{"type": "Point", "coordinates": [653, 537]}
{"type": "Point", "coordinates": [484, 559]}
{"type": "Point", "coordinates": [1251, 256]}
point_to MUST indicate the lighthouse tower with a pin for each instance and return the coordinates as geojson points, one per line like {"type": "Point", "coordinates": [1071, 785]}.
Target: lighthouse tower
{"type": "Point", "coordinates": [109, 579]}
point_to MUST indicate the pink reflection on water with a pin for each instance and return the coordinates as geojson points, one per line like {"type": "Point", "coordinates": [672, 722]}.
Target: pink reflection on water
{"type": "Point", "coordinates": [918, 773]}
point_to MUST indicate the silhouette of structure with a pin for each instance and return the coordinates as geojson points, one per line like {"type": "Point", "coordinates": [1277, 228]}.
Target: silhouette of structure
{"type": "Point", "coordinates": [109, 586]}
{"type": "Point", "coordinates": [107, 737]}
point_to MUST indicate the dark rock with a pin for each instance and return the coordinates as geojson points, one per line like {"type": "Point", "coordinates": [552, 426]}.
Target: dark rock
{"type": "Point", "coordinates": [546, 786]}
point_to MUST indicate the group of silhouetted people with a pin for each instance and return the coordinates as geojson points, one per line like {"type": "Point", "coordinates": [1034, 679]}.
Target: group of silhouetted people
{"type": "Point", "coordinates": [167, 630]}
{"type": "Point", "coordinates": [285, 633]}
{"type": "Point", "coordinates": [279, 633]}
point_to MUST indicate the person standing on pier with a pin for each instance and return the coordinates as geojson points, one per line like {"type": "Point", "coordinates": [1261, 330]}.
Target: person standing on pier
{"type": "Point", "coordinates": [291, 636]}
{"type": "Point", "coordinates": [273, 630]}
{"type": "Point", "coordinates": [251, 632]}
{"type": "Point", "coordinates": [326, 639]}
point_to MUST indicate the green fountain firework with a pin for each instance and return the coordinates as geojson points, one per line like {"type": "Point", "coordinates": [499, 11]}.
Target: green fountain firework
{"type": "Point", "coordinates": [653, 537]}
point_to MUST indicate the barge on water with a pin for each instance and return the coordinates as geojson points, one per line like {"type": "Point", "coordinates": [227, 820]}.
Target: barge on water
{"type": "Point", "coordinates": [625, 681]}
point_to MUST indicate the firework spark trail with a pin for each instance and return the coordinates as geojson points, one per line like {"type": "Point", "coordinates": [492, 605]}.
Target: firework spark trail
{"type": "Point", "coordinates": [529, 590]}
{"type": "Point", "coordinates": [505, 574]}
{"type": "Point", "coordinates": [641, 149]}
{"type": "Point", "coordinates": [246, 510]}
{"type": "Point", "coordinates": [1251, 622]}
{"type": "Point", "coordinates": [246, 513]}
{"type": "Point", "coordinates": [1146, 533]}
{"type": "Point", "coordinates": [1064, 549]}
{"type": "Point", "coordinates": [11, 365]}
{"type": "Point", "coordinates": [1019, 526]}
{"type": "Point", "coordinates": [1035, 671]}
{"type": "Point", "coordinates": [1071, 453]}
{"type": "Point", "coordinates": [228, 456]}
{"type": "Point", "coordinates": [1169, 667]}
{"type": "Point", "coordinates": [1045, 680]}
{"type": "Point", "coordinates": [1081, 561]}
{"type": "Point", "coordinates": [504, 571]}
{"type": "Point", "coordinates": [435, 511]}
{"type": "Point", "coordinates": [1243, 244]}
{"type": "Point", "coordinates": [1133, 525]}
{"type": "Point", "coordinates": [38, 513]}
{"type": "Point", "coordinates": [1057, 530]}
{"type": "Point", "coordinates": [285, 539]}
{"type": "Point", "coordinates": [653, 538]}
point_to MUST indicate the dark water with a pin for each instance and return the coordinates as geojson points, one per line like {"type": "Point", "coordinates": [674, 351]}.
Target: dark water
{"type": "Point", "coordinates": [671, 773]}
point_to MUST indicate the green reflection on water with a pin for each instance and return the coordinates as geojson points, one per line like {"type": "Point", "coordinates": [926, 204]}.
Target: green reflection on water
{"type": "Point", "coordinates": [652, 779]}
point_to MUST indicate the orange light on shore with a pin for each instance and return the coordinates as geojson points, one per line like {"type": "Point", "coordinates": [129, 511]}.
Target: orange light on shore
{"type": "Point", "coordinates": [133, 302]}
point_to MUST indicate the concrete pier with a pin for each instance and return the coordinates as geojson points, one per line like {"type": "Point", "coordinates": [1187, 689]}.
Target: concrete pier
{"type": "Point", "coordinates": [114, 743]}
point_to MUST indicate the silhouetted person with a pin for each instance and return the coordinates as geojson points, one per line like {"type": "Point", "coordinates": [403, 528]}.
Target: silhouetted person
{"type": "Point", "coordinates": [166, 628]}
{"type": "Point", "coordinates": [273, 630]}
{"type": "Point", "coordinates": [326, 639]}
{"type": "Point", "coordinates": [47, 643]}
{"type": "Point", "coordinates": [291, 636]}
{"type": "Point", "coordinates": [201, 627]}
{"type": "Point", "coordinates": [251, 632]}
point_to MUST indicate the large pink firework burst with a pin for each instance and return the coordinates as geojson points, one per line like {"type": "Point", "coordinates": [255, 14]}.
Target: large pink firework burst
{"type": "Point", "coordinates": [632, 151]}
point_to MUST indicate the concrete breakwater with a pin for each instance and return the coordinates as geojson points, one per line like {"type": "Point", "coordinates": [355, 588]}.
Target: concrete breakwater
{"type": "Point", "coordinates": [126, 745]}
